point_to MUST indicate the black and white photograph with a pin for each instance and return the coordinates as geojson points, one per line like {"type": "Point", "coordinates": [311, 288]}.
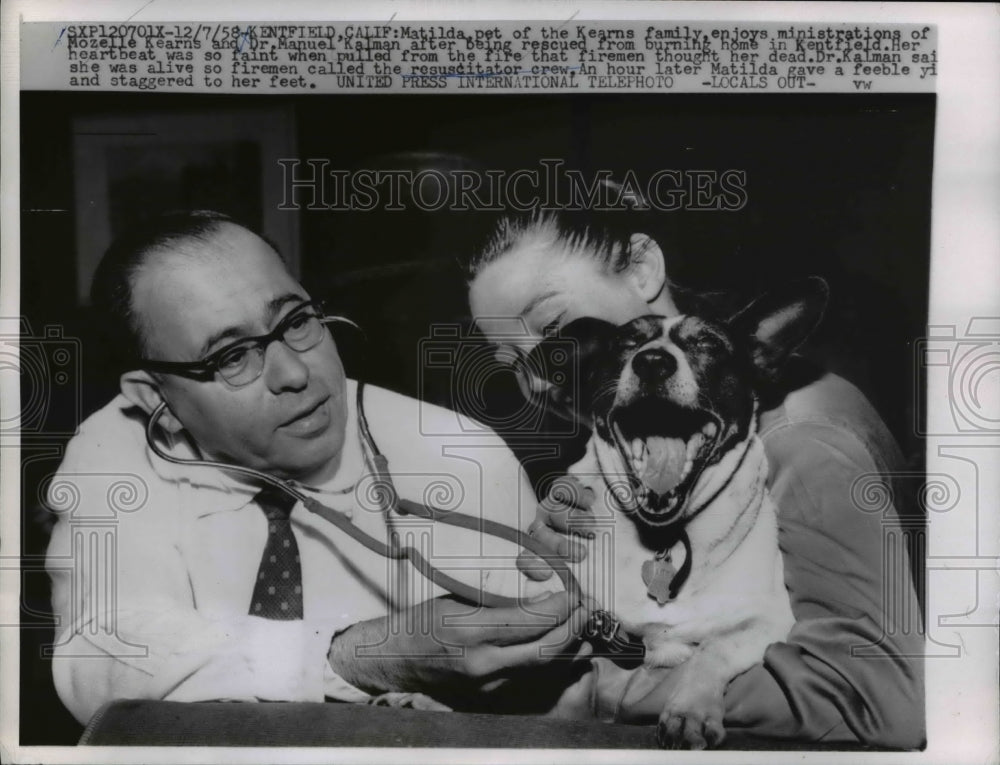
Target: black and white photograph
{"type": "Point", "coordinates": [511, 422]}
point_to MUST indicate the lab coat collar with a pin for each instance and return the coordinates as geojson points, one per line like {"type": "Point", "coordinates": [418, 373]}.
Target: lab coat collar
{"type": "Point", "coordinates": [209, 490]}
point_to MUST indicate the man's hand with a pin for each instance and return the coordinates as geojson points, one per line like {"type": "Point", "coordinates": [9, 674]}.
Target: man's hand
{"type": "Point", "coordinates": [563, 512]}
{"type": "Point", "coordinates": [450, 650]}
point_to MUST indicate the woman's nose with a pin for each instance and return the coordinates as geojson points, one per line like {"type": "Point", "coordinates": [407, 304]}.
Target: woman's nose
{"type": "Point", "coordinates": [284, 368]}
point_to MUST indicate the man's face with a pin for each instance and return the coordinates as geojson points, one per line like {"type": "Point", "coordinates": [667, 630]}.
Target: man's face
{"type": "Point", "coordinates": [289, 421]}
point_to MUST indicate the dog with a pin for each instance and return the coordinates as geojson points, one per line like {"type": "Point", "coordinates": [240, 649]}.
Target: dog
{"type": "Point", "coordinates": [697, 575]}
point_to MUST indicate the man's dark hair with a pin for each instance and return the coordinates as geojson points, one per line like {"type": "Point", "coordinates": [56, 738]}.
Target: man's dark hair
{"type": "Point", "coordinates": [111, 296]}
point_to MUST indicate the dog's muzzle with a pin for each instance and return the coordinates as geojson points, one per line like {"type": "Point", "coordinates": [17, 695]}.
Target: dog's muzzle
{"type": "Point", "coordinates": [664, 448]}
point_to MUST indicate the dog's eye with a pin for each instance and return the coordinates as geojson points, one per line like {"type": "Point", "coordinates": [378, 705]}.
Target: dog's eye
{"type": "Point", "coordinates": [708, 343]}
{"type": "Point", "coordinates": [631, 341]}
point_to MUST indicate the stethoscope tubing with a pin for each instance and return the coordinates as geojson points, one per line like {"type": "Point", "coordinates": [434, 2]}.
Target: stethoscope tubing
{"type": "Point", "coordinates": [391, 502]}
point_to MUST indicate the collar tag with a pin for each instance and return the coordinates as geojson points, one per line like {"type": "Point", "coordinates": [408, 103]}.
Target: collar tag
{"type": "Point", "coordinates": [657, 574]}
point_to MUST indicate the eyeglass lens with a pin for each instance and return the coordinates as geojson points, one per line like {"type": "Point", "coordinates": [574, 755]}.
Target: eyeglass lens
{"type": "Point", "coordinates": [244, 363]}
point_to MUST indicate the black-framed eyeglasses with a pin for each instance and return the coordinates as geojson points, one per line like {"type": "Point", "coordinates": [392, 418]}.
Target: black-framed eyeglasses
{"type": "Point", "coordinates": [242, 362]}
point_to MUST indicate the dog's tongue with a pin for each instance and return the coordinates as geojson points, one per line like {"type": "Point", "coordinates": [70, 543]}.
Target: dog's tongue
{"type": "Point", "coordinates": [665, 458]}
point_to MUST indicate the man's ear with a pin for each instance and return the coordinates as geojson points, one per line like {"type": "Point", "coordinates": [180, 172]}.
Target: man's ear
{"type": "Point", "coordinates": [778, 322]}
{"type": "Point", "coordinates": [648, 271]}
{"type": "Point", "coordinates": [143, 390]}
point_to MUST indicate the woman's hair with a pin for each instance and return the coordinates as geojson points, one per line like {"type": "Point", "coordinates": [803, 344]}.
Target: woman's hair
{"type": "Point", "coordinates": [605, 235]}
{"type": "Point", "coordinates": [602, 236]}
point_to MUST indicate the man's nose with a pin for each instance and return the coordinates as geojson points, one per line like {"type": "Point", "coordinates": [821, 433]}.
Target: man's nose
{"type": "Point", "coordinates": [284, 368]}
{"type": "Point", "coordinates": [654, 364]}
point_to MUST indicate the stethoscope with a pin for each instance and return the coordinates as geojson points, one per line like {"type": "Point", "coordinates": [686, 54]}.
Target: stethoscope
{"type": "Point", "coordinates": [602, 629]}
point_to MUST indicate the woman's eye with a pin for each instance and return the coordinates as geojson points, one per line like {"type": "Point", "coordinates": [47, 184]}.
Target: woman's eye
{"type": "Point", "coordinates": [548, 322]}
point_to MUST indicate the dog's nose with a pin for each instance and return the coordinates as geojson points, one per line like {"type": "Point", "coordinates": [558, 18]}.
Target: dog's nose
{"type": "Point", "coordinates": [654, 364]}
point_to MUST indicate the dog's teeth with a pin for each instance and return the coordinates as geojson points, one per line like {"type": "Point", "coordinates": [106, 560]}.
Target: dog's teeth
{"type": "Point", "coordinates": [710, 429]}
{"type": "Point", "coordinates": [687, 469]}
{"type": "Point", "coordinates": [693, 445]}
{"type": "Point", "coordinates": [638, 449]}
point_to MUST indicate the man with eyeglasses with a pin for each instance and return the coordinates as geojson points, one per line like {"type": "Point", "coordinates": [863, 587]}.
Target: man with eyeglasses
{"type": "Point", "coordinates": [214, 587]}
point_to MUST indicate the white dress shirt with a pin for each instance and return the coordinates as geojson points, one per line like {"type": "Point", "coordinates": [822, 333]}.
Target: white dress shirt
{"type": "Point", "coordinates": [153, 564]}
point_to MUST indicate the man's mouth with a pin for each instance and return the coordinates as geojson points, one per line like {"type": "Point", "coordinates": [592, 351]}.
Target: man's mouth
{"type": "Point", "coordinates": [308, 418]}
{"type": "Point", "coordinates": [664, 447]}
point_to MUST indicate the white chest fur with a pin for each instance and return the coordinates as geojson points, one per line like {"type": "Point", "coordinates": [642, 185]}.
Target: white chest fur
{"type": "Point", "coordinates": [736, 582]}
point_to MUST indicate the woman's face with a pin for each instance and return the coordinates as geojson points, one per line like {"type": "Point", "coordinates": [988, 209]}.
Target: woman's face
{"type": "Point", "coordinates": [539, 286]}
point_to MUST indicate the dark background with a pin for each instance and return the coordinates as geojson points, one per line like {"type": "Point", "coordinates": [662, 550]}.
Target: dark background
{"type": "Point", "coordinates": [836, 185]}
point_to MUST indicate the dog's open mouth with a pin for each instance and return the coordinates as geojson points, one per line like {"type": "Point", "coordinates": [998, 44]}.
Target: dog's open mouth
{"type": "Point", "coordinates": [665, 447]}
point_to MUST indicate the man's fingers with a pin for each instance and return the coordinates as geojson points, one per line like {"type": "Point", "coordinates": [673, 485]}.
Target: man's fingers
{"type": "Point", "coordinates": [559, 638]}
{"type": "Point", "coordinates": [559, 642]}
{"type": "Point", "coordinates": [522, 623]}
{"type": "Point", "coordinates": [585, 651]}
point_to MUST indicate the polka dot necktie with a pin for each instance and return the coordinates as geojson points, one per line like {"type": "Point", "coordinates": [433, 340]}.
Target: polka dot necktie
{"type": "Point", "coordinates": [277, 593]}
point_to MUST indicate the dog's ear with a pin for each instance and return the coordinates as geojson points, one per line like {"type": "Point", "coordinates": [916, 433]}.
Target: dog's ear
{"type": "Point", "coordinates": [565, 361]}
{"type": "Point", "coordinates": [778, 322]}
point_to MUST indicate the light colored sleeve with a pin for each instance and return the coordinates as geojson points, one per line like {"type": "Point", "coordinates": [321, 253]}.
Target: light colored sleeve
{"type": "Point", "coordinates": [127, 620]}
{"type": "Point", "coordinates": [337, 688]}
{"type": "Point", "coordinates": [852, 667]}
